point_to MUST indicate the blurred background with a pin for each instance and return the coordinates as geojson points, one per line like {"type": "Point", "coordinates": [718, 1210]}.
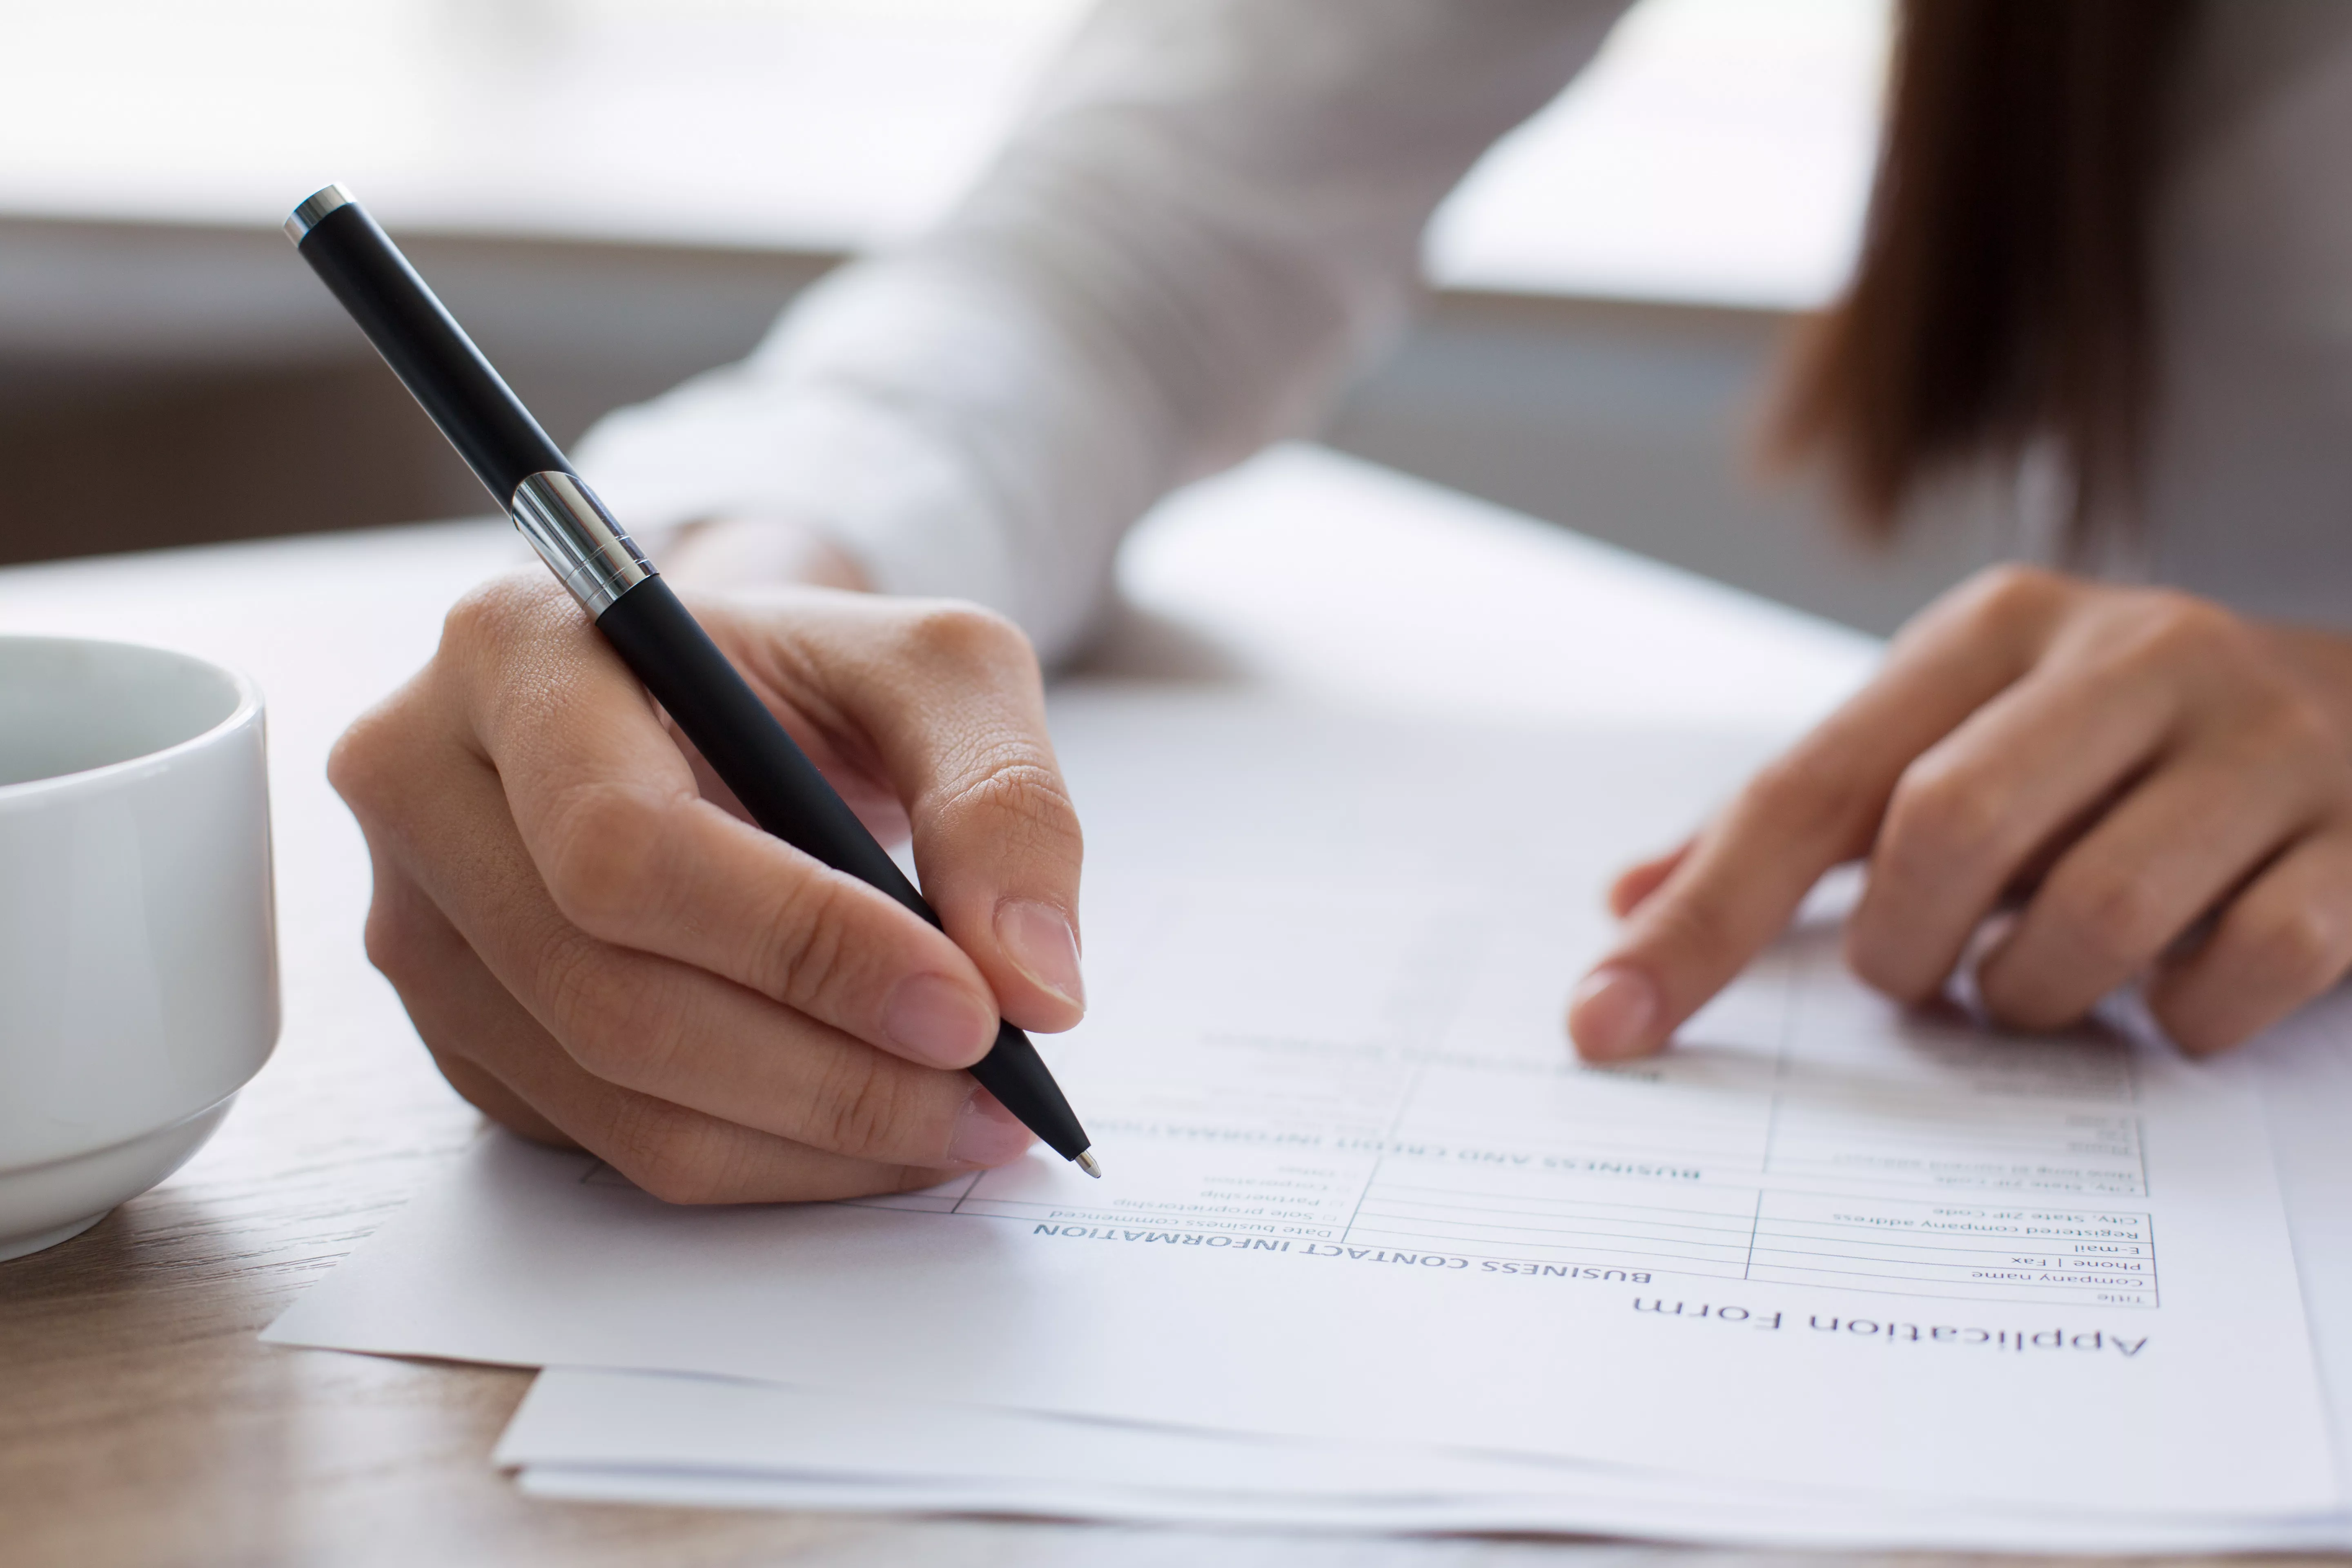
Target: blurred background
{"type": "Point", "coordinates": [615, 193]}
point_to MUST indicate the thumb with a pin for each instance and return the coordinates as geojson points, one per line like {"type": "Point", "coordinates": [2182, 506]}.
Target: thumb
{"type": "Point", "coordinates": [955, 710]}
{"type": "Point", "coordinates": [999, 852]}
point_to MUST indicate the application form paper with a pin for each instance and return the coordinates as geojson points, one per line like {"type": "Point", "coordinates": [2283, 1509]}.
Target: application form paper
{"type": "Point", "coordinates": [669, 1438]}
{"type": "Point", "coordinates": [663, 1438]}
{"type": "Point", "coordinates": [1356, 1190]}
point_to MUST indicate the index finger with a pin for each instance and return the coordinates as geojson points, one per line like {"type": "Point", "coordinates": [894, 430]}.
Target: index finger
{"type": "Point", "coordinates": [630, 852]}
{"type": "Point", "coordinates": [1816, 807]}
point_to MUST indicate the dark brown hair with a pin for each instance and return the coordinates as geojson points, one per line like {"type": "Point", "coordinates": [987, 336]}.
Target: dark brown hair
{"type": "Point", "coordinates": [2004, 287]}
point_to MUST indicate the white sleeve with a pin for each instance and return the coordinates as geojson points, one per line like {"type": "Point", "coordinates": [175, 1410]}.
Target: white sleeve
{"type": "Point", "coordinates": [1209, 220]}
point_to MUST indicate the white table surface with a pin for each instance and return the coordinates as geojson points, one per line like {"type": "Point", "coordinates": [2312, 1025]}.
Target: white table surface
{"type": "Point", "coordinates": [1303, 573]}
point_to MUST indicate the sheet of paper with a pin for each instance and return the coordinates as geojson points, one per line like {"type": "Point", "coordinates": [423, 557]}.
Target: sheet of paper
{"type": "Point", "coordinates": [590, 1418]}
{"type": "Point", "coordinates": [1694, 1521]}
{"type": "Point", "coordinates": [665, 1438]}
{"type": "Point", "coordinates": [2302, 1071]}
{"type": "Point", "coordinates": [669, 1438]}
{"type": "Point", "coordinates": [1360, 1191]}
{"type": "Point", "coordinates": [1357, 1189]}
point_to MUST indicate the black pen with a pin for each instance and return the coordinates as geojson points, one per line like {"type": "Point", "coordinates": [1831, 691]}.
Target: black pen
{"type": "Point", "coordinates": [605, 571]}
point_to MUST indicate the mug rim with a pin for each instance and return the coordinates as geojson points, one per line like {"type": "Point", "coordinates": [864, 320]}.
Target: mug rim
{"type": "Point", "coordinates": [248, 706]}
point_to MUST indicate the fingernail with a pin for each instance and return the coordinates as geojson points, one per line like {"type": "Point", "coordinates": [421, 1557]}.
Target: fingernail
{"type": "Point", "coordinates": [1612, 1012]}
{"type": "Point", "coordinates": [986, 1133]}
{"type": "Point", "coordinates": [933, 1018]}
{"type": "Point", "coordinates": [1042, 944]}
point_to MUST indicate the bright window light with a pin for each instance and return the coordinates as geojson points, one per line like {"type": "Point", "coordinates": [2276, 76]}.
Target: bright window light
{"type": "Point", "coordinates": [1717, 151]}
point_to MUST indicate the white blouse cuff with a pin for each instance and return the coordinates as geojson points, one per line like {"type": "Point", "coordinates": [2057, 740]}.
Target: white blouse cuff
{"type": "Point", "coordinates": [868, 481]}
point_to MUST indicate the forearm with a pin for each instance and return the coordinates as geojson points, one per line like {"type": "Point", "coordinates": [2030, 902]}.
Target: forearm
{"type": "Point", "coordinates": [1211, 219]}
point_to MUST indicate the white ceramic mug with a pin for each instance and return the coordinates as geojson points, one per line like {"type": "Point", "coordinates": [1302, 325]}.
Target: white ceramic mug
{"type": "Point", "coordinates": [138, 945]}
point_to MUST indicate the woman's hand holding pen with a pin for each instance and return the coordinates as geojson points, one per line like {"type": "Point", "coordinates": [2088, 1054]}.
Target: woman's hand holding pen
{"type": "Point", "coordinates": [599, 951]}
{"type": "Point", "coordinates": [2157, 788]}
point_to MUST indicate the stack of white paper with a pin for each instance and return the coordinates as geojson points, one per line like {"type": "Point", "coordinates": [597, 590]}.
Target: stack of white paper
{"type": "Point", "coordinates": [1373, 1252]}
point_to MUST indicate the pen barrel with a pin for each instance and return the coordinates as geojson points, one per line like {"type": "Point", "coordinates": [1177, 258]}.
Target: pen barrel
{"type": "Point", "coordinates": [427, 350]}
{"type": "Point", "coordinates": [783, 791]}
{"type": "Point", "coordinates": [669, 650]}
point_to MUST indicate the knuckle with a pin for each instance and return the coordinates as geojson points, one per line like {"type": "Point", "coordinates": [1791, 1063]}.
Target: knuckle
{"type": "Point", "coordinates": [377, 749]}
{"type": "Point", "coordinates": [507, 625]}
{"type": "Point", "coordinates": [1939, 817]}
{"type": "Point", "coordinates": [2193, 621]}
{"type": "Point", "coordinates": [806, 954]}
{"type": "Point", "coordinates": [2010, 595]}
{"type": "Point", "coordinates": [2197, 1027]}
{"type": "Point", "coordinates": [570, 982]}
{"type": "Point", "coordinates": [1018, 793]}
{"type": "Point", "coordinates": [2176, 630]}
{"type": "Point", "coordinates": [2015, 582]}
{"type": "Point", "coordinates": [2297, 728]}
{"type": "Point", "coordinates": [622, 1032]}
{"type": "Point", "coordinates": [352, 761]}
{"type": "Point", "coordinates": [395, 945]}
{"type": "Point", "coordinates": [953, 632]}
{"type": "Point", "coordinates": [2302, 946]}
{"type": "Point", "coordinates": [491, 615]}
{"type": "Point", "coordinates": [2191, 1008]}
{"type": "Point", "coordinates": [2034, 1005]}
{"type": "Point", "coordinates": [674, 1154]}
{"type": "Point", "coordinates": [859, 1108]}
{"type": "Point", "coordinates": [2118, 917]}
{"type": "Point", "coordinates": [1880, 963]}
{"type": "Point", "coordinates": [604, 858]}
{"type": "Point", "coordinates": [482, 620]}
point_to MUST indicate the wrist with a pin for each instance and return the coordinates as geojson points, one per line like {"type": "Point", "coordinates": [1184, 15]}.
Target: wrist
{"type": "Point", "coordinates": [741, 552]}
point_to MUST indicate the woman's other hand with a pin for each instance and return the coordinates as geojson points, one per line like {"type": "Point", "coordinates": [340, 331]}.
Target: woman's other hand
{"type": "Point", "coordinates": [599, 951]}
{"type": "Point", "coordinates": [2165, 789]}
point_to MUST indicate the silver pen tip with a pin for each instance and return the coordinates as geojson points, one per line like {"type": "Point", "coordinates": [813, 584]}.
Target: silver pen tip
{"type": "Point", "coordinates": [1090, 1164]}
